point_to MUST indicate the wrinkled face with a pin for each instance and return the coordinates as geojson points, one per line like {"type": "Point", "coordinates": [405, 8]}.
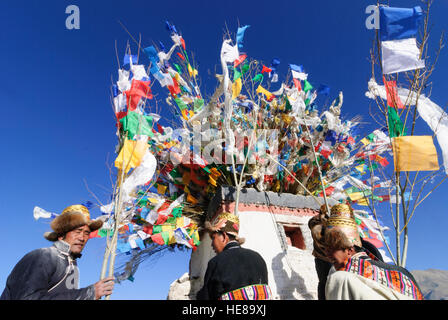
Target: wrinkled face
{"type": "Point", "coordinates": [219, 241]}
{"type": "Point", "coordinates": [77, 238]}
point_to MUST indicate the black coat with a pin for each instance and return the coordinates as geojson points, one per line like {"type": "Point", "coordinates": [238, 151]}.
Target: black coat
{"type": "Point", "coordinates": [233, 268]}
{"type": "Point", "coordinates": [46, 274]}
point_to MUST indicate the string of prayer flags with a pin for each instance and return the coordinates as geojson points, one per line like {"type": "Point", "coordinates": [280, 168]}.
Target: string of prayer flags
{"type": "Point", "coordinates": [414, 153]}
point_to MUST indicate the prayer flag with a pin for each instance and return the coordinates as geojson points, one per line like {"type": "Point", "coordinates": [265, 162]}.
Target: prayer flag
{"type": "Point", "coordinates": [393, 100]}
{"type": "Point", "coordinates": [240, 60]}
{"type": "Point", "coordinates": [131, 154]}
{"type": "Point", "coordinates": [266, 69]}
{"type": "Point", "coordinates": [395, 124]}
{"type": "Point", "coordinates": [240, 35]}
{"type": "Point", "coordinates": [414, 153]}
{"type": "Point", "coordinates": [138, 90]}
{"type": "Point", "coordinates": [236, 88]}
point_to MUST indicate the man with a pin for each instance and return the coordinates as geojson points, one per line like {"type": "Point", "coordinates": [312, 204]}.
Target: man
{"type": "Point", "coordinates": [235, 273]}
{"type": "Point", "coordinates": [52, 273]}
{"type": "Point", "coordinates": [322, 262]}
{"type": "Point", "coordinates": [358, 275]}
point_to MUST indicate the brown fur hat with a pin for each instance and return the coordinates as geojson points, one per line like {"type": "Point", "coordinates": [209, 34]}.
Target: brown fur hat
{"type": "Point", "coordinates": [225, 222]}
{"type": "Point", "coordinates": [71, 218]}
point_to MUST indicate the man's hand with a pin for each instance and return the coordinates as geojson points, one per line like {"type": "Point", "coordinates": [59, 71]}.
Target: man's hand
{"type": "Point", "coordinates": [104, 287]}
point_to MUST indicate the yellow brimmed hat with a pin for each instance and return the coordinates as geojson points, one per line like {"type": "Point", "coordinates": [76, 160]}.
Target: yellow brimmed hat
{"type": "Point", "coordinates": [342, 218]}
{"type": "Point", "coordinates": [72, 217]}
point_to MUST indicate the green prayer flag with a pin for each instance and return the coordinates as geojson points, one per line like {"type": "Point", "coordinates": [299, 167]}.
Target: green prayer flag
{"type": "Point", "coordinates": [258, 77]}
{"type": "Point", "coordinates": [198, 103]}
{"type": "Point", "coordinates": [307, 86]}
{"type": "Point", "coordinates": [177, 212]}
{"type": "Point", "coordinates": [179, 70]}
{"type": "Point", "coordinates": [156, 229]}
{"type": "Point", "coordinates": [166, 236]}
{"type": "Point", "coordinates": [134, 123]}
{"type": "Point", "coordinates": [371, 136]}
{"type": "Point", "coordinates": [395, 124]}
{"type": "Point", "coordinates": [288, 106]}
{"type": "Point", "coordinates": [103, 233]}
{"type": "Point", "coordinates": [245, 68]}
{"type": "Point", "coordinates": [236, 74]}
{"type": "Point", "coordinates": [180, 104]}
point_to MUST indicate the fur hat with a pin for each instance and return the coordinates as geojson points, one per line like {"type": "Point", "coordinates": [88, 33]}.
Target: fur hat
{"type": "Point", "coordinates": [225, 222]}
{"type": "Point", "coordinates": [317, 226]}
{"type": "Point", "coordinates": [71, 218]}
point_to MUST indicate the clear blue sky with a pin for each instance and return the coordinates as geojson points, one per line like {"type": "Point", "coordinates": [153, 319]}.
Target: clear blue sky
{"type": "Point", "coordinates": [58, 126]}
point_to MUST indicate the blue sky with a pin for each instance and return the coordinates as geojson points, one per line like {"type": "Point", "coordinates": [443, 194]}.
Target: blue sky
{"type": "Point", "coordinates": [58, 125]}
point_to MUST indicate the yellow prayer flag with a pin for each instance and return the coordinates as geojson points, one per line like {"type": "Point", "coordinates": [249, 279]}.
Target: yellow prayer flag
{"type": "Point", "coordinates": [236, 88]}
{"type": "Point", "coordinates": [414, 153]}
{"type": "Point", "coordinates": [262, 90]}
{"type": "Point", "coordinates": [179, 222]}
{"type": "Point", "coordinates": [167, 227]}
{"type": "Point", "coordinates": [355, 196]}
{"type": "Point", "coordinates": [363, 202]}
{"type": "Point", "coordinates": [360, 168]}
{"type": "Point", "coordinates": [171, 238]}
{"type": "Point", "coordinates": [365, 141]}
{"type": "Point", "coordinates": [193, 72]}
{"type": "Point", "coordinates": [161, 189]}
{"type": "Point", "coordinates": [131, 154]}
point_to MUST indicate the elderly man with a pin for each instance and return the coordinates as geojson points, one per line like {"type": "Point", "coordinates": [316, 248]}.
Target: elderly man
{"type": "Point", "coordinates": [52, 273]}
{"type": "Point", "coordinates": [235, 273]}
{"type": "Point", "coordinates": [358, 275]}
{"type": "Point", "coordinates": [322, 262]}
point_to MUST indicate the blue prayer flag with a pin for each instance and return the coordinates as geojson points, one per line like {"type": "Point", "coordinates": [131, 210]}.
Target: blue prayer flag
{"type": "Point", "coordinates": [127, 59]}
{"type": "Point", "coordinates": [240, 35]}
{"type": "Point", "coordinates": [399, 23]}
{"type": "Point", "coordinates": [296, 67]}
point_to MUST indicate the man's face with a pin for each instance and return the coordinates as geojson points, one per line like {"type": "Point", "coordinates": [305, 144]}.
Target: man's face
{"type": "Point", "coordinates": [219, 241]}
{"type": "Point", "coordinates": [340, 256]}
{"type": "Point", "coordinates": [77, 238]}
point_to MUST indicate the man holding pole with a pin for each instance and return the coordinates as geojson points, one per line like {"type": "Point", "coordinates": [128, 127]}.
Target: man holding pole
{"type": "Point", "coordinates": [52, 273]}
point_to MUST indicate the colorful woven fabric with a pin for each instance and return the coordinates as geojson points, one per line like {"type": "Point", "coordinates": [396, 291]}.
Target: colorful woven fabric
{"type": "Point", "coordinates": [393, 279]}
{"type": "Point", "coordinates": [254, 292]}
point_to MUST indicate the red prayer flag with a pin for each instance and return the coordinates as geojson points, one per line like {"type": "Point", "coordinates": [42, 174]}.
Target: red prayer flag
{"type": "Point", "coordinates": [266, 69]}
{"type": "Point", "coordinates": [392, 95]}
{"type": "Point", "coordinates": [238, 61]}
{"type": "Point", "coordinates": [180, 55]}
{"type": "Point", "coordinates": [157, 238]}
{"type": "Point", "coordinates": [297, 84]}
{"type": "Point", "coordinates": [138, 90]}
{"type": "Point", "coordinates": [174, 89]}
{"type": "Point", "coordinates": [94, 234]}
{"type": "Point", "coordinates": [161, 219]}
{"type": "Point", "coordinates": [182, 41]}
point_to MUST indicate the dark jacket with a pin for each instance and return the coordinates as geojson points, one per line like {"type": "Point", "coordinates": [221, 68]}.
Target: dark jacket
{"type": "Point", "coordinates": [233, 268]}
{"type": "Point", "coordinates": [47, 274]}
